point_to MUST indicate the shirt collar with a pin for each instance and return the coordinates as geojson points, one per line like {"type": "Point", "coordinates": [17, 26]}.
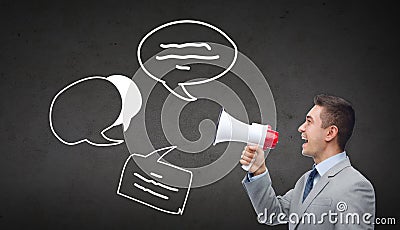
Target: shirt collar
{"type": "Point", "coordinates": [327, 164]}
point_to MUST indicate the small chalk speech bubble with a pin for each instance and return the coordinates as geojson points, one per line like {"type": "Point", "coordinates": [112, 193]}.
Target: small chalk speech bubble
{"type": "Point", "coordinates": [183, 52]}
{"type": "Point", "coordinates": [122, 84]}
{"type": "Point", "coordinates": [150, 184]}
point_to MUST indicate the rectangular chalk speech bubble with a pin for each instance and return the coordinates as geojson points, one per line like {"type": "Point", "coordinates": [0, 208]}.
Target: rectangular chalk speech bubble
{"type": "Point", "coordinates": [152, 185]}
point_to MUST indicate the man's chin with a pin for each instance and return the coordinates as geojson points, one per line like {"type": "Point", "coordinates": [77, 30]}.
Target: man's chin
{"type": "Point", "coordinates": [305, 153]}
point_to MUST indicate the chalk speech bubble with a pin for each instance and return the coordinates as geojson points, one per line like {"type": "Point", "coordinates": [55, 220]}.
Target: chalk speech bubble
{"type": "Point", "coordinates": [149, 183]}
{"type": "Point", "coordinates": [122, 83]}
{"type": "Point", "coordinates": [182, 58]}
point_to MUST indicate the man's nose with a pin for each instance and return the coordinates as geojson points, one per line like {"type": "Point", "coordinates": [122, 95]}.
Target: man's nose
{"type": "Point", "coordinates": [301, 128]}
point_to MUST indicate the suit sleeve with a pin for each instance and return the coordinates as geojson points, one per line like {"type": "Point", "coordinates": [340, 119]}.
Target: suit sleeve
{"type": "Point", "coordinates": [359, 201]}
{"type": "Point", "coordinates": [265, 202]}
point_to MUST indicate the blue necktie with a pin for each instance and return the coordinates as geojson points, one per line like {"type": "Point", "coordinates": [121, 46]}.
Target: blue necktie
{"type": "Point", "coordinates": [310, 183]}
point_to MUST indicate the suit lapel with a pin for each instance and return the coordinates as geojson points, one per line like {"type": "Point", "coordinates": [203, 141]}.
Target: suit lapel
{"type": "Point", "coordinates": [319, 186]}
{"type": "Point", "coordinates": [323, 181]}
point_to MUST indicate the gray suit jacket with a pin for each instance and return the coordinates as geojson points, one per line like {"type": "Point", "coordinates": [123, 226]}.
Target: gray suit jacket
{"type": "Point", "coordinates": [341, 194]}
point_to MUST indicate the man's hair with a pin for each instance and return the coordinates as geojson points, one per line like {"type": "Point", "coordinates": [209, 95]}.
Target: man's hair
{"type": "Point", "coordinates": [339, 112]}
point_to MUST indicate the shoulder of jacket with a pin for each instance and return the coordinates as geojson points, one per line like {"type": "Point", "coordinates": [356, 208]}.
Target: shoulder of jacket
{"type": "Point", "coordinates": [354, 177]}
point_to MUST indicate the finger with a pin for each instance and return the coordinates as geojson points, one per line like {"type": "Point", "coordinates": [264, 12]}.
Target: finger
{"type": "Point", "coordinates": [248, 159]}
{"type": "Point", "coordinates": [252, 147]}
{"type": "Point", "coordinates": [248, 154]}
{"type": "Point", "coordinates": [249, 148]}
{"type": "Point", "coordinates": [243, 162]}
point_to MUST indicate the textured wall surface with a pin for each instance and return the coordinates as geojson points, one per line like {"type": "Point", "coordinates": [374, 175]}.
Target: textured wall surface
{"type": "Point", "coordinates": [347, 48]}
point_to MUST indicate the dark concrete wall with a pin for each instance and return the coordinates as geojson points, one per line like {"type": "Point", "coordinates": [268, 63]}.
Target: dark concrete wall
{"type": "Point", "coordinates": [346, 48]}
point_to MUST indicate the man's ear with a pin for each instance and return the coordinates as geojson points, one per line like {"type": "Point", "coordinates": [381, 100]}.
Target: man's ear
{"type": "Point", "coordinates": [332, 132]}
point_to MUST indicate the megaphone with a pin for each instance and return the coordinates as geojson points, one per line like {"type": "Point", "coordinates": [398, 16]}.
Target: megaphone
{"type": "Point", "coordinates": [231, 129]}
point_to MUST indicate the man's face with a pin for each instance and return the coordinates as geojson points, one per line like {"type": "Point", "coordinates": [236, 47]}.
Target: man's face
{"type": "Point", "coordinates": [312, 133]}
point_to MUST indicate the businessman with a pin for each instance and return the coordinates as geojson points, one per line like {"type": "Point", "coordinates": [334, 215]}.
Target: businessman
{"type": "Point", "coordinates": [332, 195]}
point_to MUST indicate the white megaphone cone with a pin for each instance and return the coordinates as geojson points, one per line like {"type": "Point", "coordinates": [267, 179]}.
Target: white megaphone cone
{"type": "Point", "coordinates": [231, 129]}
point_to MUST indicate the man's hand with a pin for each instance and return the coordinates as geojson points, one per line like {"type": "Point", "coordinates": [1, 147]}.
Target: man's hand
{"type": "Point", "coordinates": [248, 154]}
